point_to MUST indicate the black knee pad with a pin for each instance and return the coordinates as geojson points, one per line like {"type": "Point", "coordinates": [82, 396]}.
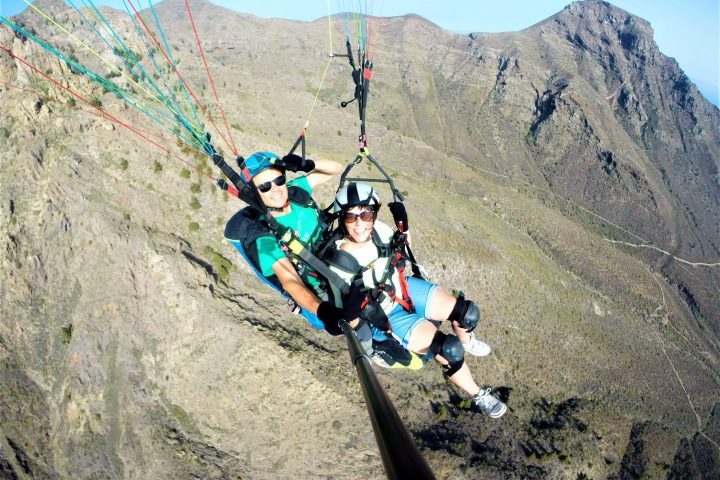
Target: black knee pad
{"type": "Point", "coordinates": [465, 312]}
{"type": "Point", "coordinates": [450, 348]}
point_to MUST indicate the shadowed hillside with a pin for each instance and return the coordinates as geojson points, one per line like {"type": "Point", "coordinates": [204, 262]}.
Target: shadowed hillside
{"type": "Point", "coordinates": [538, 165]}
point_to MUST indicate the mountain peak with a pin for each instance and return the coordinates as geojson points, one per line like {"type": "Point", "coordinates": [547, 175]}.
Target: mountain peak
{"type": "Point", "coordinates": [591, 21]}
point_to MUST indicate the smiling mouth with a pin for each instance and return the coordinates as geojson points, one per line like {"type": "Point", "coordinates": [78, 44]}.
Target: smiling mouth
{"type": "Point", "coordinates": [359, 232]}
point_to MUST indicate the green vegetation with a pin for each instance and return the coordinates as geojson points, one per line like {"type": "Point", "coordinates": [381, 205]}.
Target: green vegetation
{"type": "Point", "coordinates": [195, 204]}
{"type": "Point", "coordinates": [185, 173]}
{"type": "Point", "coordinates": [157, 167]}
{"type": "Point", "coordinates": [442, 413]}
{"type": "Point", "coordinates": [222, 265]}
{"type": "Point", "coordinates": [123, 164]}
{"type": "Point", "coordinates": [66, 334]}
{"type": "Point", "coordinates": [96, 102]}
{"type": "Point", "coordinates": [193, 226]}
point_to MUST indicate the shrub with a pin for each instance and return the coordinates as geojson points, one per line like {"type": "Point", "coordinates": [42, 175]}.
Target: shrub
{"type": "Point", "coordinates": [66, 334]}
{"type": "Point", "coordinates": [193, 226]}
{"type": "Point", "coordinates": [157, 167]}
{"type": "Point", "coordinates": [222, 265]}
{"type": "Point", "coordinates": [442, 413]}
{"type": "Point", "coordinates": [195, 188]}
{"type": "Point", "coordinates": [195, 204]}
{"type": "Point", "coordinates": [185, 173]}
{"type": "Point", "coordinates": [123, 164]}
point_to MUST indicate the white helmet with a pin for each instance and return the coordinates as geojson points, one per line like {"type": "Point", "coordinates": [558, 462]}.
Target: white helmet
{"type": "Point", "coordinates": [355, 194]}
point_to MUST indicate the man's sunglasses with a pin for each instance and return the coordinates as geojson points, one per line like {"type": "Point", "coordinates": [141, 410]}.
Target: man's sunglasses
{"type": "Point", "coordinates": [365, 216]}
{"type": "Point", "coordinates": [266, 186]}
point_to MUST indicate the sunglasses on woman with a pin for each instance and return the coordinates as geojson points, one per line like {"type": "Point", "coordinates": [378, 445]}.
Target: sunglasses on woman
{"type": "Point", "coordinates": [365, 216]}
{"type": "Point", "coordinates": [266, 186]}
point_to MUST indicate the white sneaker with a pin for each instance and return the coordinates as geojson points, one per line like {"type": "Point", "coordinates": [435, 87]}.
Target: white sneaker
{"type": "Point", "coordinates": [489, 405]}
{"type": "Point", "coordinates": [379, 361]}
{"type": "Point", "coordinates": [476, 347]}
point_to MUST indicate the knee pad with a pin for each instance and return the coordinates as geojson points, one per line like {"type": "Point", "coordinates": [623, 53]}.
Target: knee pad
{"type": "Point", "coordinates": [450, 348]}
{"type": "Point", "coordinates": [466, 313]}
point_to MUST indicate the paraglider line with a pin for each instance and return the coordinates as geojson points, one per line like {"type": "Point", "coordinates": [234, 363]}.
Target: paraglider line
{"type": "Point", "coordinates": [212, 84]}
{"type": "Point", "coordinates": [177, 72]}
{"type": "Point", "coordinates": [103, 112]}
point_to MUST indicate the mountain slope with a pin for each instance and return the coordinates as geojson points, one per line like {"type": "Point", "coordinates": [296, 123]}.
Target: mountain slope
{"type": "Point", "coordinates": [126, 351]}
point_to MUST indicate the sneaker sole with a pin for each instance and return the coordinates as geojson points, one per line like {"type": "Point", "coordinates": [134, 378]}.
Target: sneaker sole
{"type": "Point", "coordinates": [484, 353]}
{"type": "Point", "coordinates": [500, 413]}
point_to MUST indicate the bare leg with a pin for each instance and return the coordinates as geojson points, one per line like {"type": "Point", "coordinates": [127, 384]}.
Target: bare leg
{"type": "Point", "coordinates": [420, 341]}
{"type": "Point", "coordinates": [441, 308]}
{"type": "Point", "coordinates": [462, 378]}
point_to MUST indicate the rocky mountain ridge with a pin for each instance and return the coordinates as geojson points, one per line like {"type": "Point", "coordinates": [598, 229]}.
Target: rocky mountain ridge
{"type": "Point", "coordinates": [133, 345]}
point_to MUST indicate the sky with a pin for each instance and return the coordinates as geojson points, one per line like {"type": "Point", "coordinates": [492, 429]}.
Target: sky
{"type": "Point", "coordinates": [687, 30]}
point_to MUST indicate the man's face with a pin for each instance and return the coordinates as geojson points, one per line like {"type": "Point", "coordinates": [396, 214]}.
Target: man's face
{"type": "Point", "coordinates": [277, 196]}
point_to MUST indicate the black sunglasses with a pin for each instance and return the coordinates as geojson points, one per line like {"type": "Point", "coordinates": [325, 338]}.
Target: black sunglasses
{"type": "Point", "coordinates": [365, 216]}
{"type": "Point", "coordinates": [266, 186]}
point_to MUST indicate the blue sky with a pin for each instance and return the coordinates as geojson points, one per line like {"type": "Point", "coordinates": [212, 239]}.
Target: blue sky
{"type": "Point", "coordinates": [685, 30]}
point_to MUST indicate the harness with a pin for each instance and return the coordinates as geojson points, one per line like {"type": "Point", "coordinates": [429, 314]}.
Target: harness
{"type": "Point", "coordinates": [396, 258]}
{"type": "Point", "coordinates": [249, 224]}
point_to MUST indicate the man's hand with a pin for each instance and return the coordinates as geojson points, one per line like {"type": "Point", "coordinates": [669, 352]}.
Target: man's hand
{"type": "Point", "coordinates": [331, 315]}
{"type": "Point", "coordinates": [295, 163]}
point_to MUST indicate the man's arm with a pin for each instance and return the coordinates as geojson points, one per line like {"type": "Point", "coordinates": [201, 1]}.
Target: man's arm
{"type": "Point", "coordinates": [303, 296]}
{"type": "Point", "coordinates": [324, 171]}
{"type": "Point", "coordinates": [294, 286]}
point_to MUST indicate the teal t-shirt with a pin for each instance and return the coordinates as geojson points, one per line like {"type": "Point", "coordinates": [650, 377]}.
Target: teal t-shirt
{"type": "Point", "coordinates": [303, 221]}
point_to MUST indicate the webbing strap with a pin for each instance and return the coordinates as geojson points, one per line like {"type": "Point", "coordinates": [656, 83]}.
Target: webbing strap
{"type": "Point", "coordinates": [288, 239]}
{"type": "Point", "coordinates": [406, 301]}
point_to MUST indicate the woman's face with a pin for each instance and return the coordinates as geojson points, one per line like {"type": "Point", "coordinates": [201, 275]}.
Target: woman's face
{"type": "Point", "coordinates": [359, 223]}
{"type": "Point", "coordinates": [277, 196]}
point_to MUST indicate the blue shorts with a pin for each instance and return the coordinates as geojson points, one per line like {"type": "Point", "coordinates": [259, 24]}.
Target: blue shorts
{"type": "Point", "coordinates": [404, 323]}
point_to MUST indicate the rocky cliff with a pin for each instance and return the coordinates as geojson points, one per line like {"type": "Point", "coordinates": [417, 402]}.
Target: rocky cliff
{"type": "Point", "coordinates": [135, 343]}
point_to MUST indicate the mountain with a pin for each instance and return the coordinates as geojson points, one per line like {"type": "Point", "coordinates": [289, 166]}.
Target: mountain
{"type": "Point", "coordinates": [564, 176]}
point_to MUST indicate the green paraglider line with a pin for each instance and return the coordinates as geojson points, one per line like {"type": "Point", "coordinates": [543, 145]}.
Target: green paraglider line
{"type": "Point", "coordinates": [147, 79]}
{"type": "Point", "coordinates": [151, 55]}
{"type": "Point", "coordinates": [99, 79]}
{"type": "Point", "coordinates": [212, 84]}
{"type": "Point", "coordinates": [169, 51]}
{"type": "Point", "coordinates": [105, 113]}
{"type": "Point", "coordinates": [177, 72]}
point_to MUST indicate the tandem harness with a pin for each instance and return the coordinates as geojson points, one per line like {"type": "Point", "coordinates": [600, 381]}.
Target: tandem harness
{"type": "Point", "coordinates": [255, 221]}
{"type": "Point", "coordinates": [396, 254]}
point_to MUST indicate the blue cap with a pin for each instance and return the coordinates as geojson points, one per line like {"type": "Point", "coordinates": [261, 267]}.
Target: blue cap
{"type": "Point", "coordinates": [261, 161]}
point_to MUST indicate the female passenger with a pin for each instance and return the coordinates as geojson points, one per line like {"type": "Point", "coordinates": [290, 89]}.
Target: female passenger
{"type": "Point", "coordinates": [408, 308]}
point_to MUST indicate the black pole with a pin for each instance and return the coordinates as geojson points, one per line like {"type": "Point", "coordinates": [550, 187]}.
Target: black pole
{"type": "Point", "coordinates": [400, 455]}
